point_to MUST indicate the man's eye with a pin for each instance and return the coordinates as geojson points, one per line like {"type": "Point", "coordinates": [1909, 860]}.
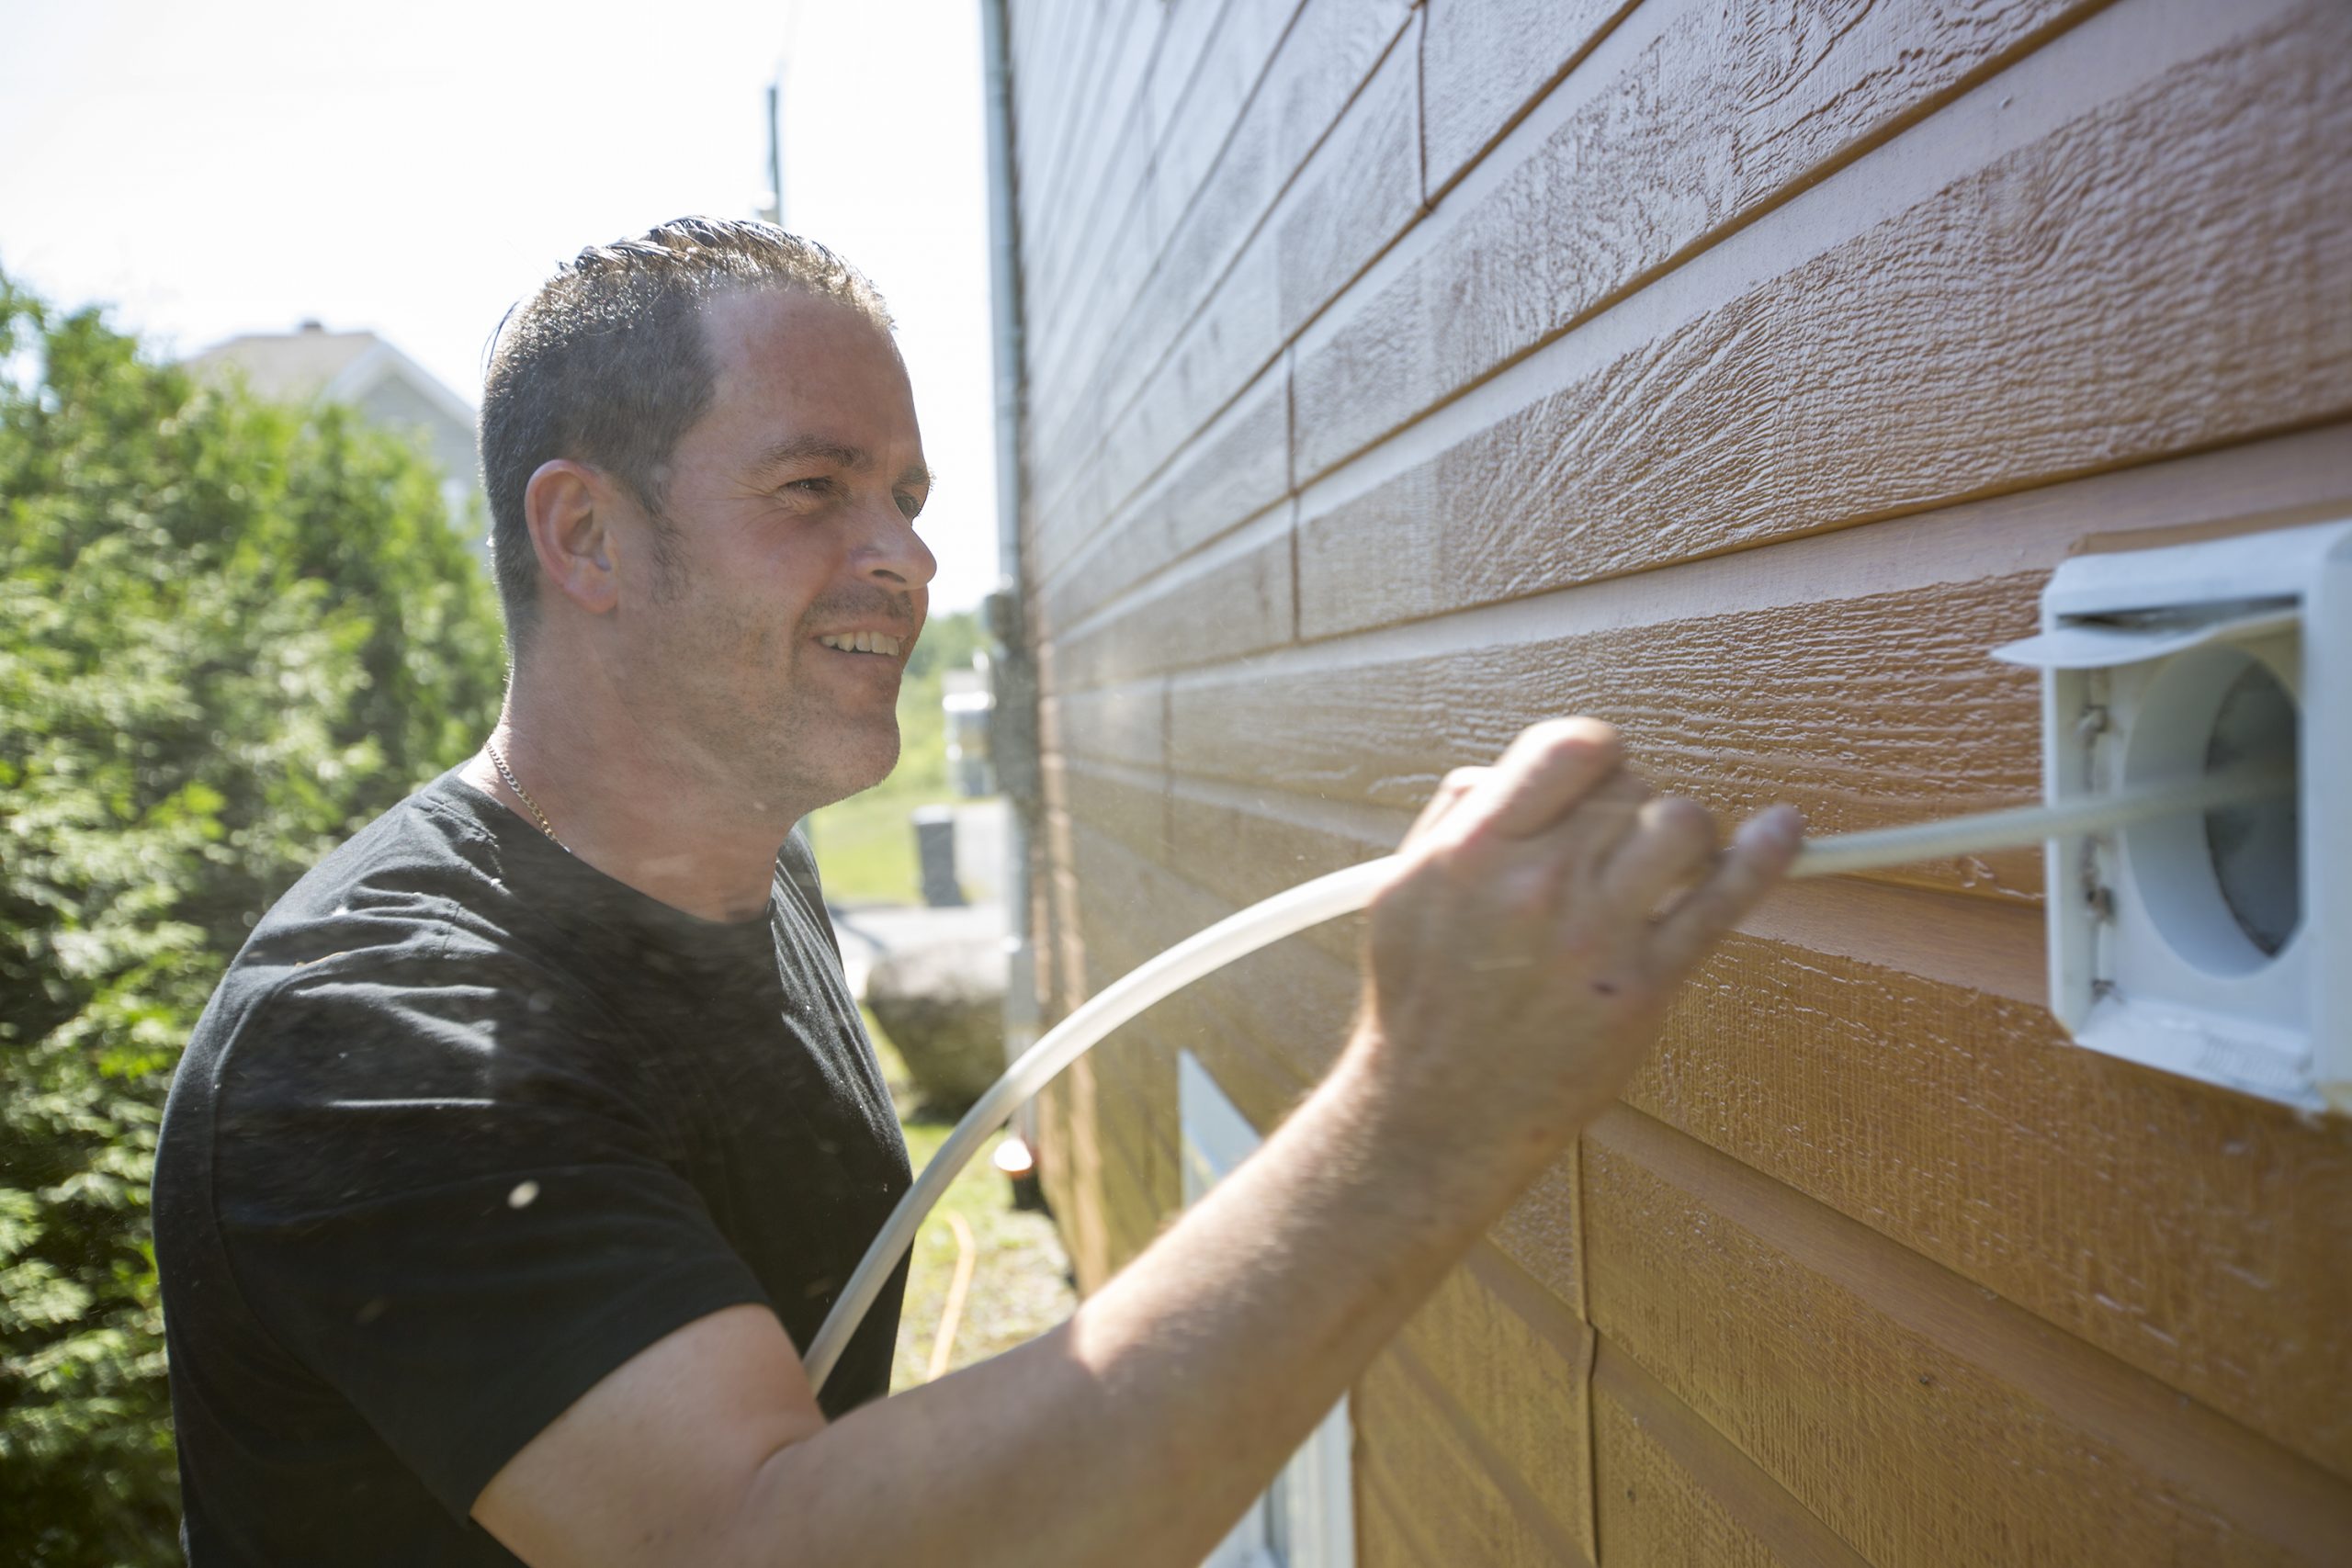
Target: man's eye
{"type": "Point", "coordinates": [911, 505]}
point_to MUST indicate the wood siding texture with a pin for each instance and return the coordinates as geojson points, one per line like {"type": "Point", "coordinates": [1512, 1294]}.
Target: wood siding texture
{"type": "Point", "coordinates": [1737, 370]}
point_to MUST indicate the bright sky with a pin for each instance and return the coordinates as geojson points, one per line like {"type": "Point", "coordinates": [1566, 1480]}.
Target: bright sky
{"type": "Point", "coordinates": [238, 166]}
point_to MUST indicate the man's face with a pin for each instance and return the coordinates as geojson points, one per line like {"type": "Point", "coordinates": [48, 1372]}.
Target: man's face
{"type": "Point", "coordinates": [791, 503]}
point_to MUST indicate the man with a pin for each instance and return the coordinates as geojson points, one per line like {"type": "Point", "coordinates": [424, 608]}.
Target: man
{"type": "Point", "coordinates": [532, 1131]}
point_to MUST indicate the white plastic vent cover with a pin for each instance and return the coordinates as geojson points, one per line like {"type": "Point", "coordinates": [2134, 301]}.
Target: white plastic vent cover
{"type": "Point", "coordinates": [2217, 946]}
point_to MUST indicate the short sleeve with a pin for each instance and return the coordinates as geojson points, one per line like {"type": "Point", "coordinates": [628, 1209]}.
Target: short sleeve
{"type": "Point", "coordinates": [446, 1192]}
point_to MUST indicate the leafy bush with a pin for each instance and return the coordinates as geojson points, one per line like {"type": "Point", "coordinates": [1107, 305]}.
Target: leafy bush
{"type": "Point", "coordinates": [231, 632]}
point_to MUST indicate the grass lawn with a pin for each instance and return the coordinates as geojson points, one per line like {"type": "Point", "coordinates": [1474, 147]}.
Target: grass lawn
{"type": "Point", "coordinates": [1020, 1283]}
{"type": "Point", "coordinates": [866, 846]}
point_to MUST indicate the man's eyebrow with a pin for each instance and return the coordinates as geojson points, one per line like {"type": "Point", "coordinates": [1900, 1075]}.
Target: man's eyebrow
{"type": "Point", "coordinates": [820, 449]}
{"type": "Point", "coordinates": [814, 448]}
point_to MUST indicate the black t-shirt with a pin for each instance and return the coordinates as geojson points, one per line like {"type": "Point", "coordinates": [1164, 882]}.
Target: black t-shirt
{"type": "Point", "coordinates": [466, 1126]}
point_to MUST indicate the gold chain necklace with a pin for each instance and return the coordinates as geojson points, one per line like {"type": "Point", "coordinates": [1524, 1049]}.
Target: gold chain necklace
{"type": "Point", "coordinates": [498, 761]}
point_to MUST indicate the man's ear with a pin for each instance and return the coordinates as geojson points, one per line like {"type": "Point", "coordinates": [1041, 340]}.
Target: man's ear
{"type": "Point", "coordinates": [567, 507]}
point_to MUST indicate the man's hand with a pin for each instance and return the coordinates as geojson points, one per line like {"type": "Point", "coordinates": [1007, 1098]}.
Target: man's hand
{"type": "Point", "coordinates": [1545, 911]}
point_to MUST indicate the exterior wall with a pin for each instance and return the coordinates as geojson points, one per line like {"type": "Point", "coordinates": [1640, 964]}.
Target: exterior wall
{"type": "Point", "coordinates": [1738, 371]}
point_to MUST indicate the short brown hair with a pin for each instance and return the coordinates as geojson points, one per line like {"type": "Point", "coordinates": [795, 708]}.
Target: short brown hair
{"type": "Point", "coordinates": [607, 364]}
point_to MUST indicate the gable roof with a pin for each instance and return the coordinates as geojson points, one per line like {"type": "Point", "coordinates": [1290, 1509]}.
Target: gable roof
{"type": "Point", "coordinates": [314, 364]}
{"type": "Point", "coordinates": [287, 367]}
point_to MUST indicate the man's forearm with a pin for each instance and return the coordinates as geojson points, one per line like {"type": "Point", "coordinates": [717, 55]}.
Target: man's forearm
{"type": "Point", "coordinates": [1141, 1429]}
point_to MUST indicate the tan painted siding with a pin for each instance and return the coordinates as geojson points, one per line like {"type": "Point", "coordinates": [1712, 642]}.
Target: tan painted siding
{"type": "Point", "coordinates": [1736, 370]}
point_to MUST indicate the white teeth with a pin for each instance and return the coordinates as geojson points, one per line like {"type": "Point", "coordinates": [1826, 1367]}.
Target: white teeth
{"type": "Point", "coordinates": [864, 642]}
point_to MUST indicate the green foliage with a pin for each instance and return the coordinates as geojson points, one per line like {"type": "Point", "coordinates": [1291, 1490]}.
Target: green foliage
{"type": "Point", "coordinates": [230, 633]}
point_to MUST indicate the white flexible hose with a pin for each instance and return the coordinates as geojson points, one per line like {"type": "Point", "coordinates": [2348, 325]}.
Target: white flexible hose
{"type": "Point", "coordinates": [1990, 831]}
{"type": "Point", "coordinates": [1345, 892]}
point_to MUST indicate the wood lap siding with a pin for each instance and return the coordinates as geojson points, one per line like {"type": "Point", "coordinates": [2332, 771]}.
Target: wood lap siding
{"type": "Point", "coordinates": [1738, 371]}
{"type": "Point", "coordinates": [1667, 1487]}
{"type": "Point", "coordinates": [2139, 321]}
{"type": "Point", "coordinates": [1916, 1419]}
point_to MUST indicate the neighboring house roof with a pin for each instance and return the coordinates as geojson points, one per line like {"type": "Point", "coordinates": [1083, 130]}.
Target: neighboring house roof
{"type": "Point", "coordinates": [333, 366]}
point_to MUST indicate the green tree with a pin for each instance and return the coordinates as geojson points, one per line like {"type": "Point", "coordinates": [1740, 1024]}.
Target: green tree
{"type": "Point", "coordinates": [231, 632]}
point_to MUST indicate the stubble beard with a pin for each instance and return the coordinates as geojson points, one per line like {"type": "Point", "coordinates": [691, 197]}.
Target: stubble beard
{"type": "Point", "coordinates": [785, 750]}
{"type": "Point", "coordinates": [828, 753]}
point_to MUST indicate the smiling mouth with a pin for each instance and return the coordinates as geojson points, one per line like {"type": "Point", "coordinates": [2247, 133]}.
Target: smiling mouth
{"type": "Point", "coordinates": [864, 642]}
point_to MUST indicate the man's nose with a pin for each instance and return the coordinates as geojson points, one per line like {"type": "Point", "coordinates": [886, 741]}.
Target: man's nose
{"type": "Point", "coordinates": [892, 553]}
